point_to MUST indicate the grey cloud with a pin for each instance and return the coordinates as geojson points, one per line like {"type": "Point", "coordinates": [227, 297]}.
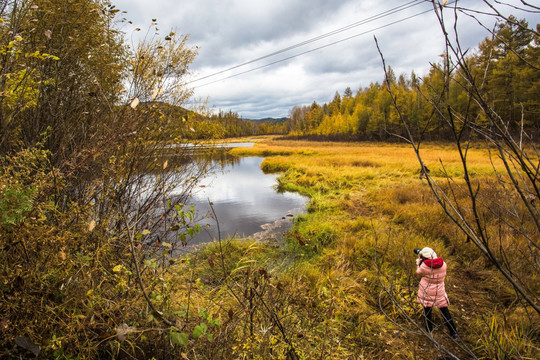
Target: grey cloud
{"type": "Point", "coordinates": [224, 29]}
{"type": "Point", "coordinates": [231, 32]}
{"type": "Point", "coordinates": [263, 21]}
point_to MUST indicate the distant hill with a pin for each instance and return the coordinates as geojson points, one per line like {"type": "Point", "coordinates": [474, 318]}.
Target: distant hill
{"type": "Point", "coordinates": [178, 111]}
{"type": "Point", "coordinates": [270, 120]}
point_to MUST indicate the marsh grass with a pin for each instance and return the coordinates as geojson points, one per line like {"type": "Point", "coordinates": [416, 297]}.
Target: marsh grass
{"type": "Point", "coordinates": [368, 210]}
{"type": "Point", "coordinates": [340, 285]}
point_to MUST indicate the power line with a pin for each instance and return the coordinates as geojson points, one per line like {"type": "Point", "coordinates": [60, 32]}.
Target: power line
{"type": "Point", "coordinates": [306, 52]}
{"type": "Point", "coordinates": [331, 33]}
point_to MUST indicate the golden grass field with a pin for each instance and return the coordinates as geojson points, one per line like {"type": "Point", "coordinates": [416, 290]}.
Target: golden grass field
{"type": "Point", "coordinates": [341, 285]}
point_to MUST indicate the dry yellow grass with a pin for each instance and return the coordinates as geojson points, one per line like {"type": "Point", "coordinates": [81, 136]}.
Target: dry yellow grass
{"type": "Point", "coordinates": [369, 210]}
{"type": "Point", "coordinates": [393, 158]}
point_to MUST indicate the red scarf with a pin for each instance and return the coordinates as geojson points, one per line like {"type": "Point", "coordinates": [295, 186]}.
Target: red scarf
{"type": "Point", "coordinates": [434, 263]}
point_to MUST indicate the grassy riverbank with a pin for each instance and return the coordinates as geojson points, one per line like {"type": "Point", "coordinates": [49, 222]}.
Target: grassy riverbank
{"type": "Point", "coordinates": [342, 285]}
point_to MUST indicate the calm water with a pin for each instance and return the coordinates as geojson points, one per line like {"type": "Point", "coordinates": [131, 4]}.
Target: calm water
{"type": "Point", "coordinates": [245, 201]}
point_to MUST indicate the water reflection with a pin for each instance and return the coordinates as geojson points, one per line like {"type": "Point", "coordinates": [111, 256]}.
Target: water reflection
{"type": "Point", "coordinates": [244, 199]}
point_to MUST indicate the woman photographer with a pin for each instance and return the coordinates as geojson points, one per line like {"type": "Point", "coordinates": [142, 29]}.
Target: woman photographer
{"type": "Point", "coordinates": [431, 290]}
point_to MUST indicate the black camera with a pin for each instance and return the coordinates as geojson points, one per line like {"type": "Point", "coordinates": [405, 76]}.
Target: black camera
{"type": "Point", "coordinates": [417, 251]}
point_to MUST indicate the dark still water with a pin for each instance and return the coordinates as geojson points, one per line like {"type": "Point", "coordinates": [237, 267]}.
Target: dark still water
{"type": "Point", "coordinates": [245, 201]}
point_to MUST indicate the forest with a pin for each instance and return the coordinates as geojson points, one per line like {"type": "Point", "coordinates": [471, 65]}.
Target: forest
{"type": "Point", "coordinates": [91, 130]}
{"type": "Point", "coordinates": [504, 64]}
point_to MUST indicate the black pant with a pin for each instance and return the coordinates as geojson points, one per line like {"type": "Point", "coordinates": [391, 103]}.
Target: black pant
{"type": "Point", "coordinates": [447, 320]}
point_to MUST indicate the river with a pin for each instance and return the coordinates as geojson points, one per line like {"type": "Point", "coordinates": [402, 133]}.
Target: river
{"type": "Point", "coordinates": [245, 201]}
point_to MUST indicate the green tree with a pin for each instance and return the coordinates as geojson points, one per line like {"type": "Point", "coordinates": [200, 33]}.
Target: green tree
{"type": "Point", "coordinates": [348, 92]}
{"type": "Point", "coordinates": [506, 60]}
{"type": "Point", "coordinates": [335, 105]}
{"type": "Point", "coordinates": [314, 116]}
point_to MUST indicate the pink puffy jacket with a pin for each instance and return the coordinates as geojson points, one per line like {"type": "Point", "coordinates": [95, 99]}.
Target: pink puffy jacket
{"type": "Point", "coordinates": [431, 291]}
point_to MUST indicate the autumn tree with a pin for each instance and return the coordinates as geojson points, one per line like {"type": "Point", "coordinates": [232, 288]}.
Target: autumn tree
{"type": "Point", "coordinates": [158, 66]}
{"type": "Point", "coordinates": [69, 83]}
{"type": "Point", "coordinates": [87, 170]}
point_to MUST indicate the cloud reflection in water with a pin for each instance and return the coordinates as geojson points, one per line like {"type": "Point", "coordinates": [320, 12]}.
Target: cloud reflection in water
{"type": "Point", "coordinates": [244, 199]}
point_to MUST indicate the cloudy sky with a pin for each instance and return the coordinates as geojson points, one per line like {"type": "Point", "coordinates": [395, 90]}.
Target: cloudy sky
{"type": "Point", "coordinates": [309, 48]}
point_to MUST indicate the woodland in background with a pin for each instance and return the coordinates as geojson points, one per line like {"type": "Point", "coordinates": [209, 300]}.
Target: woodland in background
{"type": "Point", "coordinates": [503, 64]}
{"type": "Point", "coordinates": [505, 67]}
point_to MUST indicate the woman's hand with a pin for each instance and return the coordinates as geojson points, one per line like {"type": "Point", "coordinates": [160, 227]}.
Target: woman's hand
{"type": "Point", "coordinates": [418, 261]}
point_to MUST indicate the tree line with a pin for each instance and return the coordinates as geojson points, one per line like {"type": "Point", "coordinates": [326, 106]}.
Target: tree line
{"type": "Point", "coordinates": [505, 66]}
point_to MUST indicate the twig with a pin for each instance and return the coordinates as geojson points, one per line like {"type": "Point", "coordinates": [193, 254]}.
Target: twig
{"type": "Point", "coordinates": [139, 279]}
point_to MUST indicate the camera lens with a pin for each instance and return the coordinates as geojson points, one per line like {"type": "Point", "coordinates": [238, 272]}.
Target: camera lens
{"type": "Point", "coordinates": [417, 251]}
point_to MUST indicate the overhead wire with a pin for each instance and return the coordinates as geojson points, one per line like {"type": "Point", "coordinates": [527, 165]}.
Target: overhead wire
{"type": "Point", "coordinates": [381, 15]}
{"type": "Point", "coordinates": [312, 50]}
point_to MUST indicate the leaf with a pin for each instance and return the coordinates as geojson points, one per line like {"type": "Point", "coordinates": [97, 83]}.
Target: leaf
{"type": "Point", "coordinates": [134, 103]}
{"type": "Point", "coordinates": [146, 232]}
{"type": "Point", "coordinates": [179, 338]}
{"type": "Point", "coordinates": [118, 268]}
{"type": "Point", "coordinates": [48, 34]}
{"type": "Point", "coordinates": [91, 225]}
{"type": "Point", "coordinates": [165, 164]}
{"type": "Point", "coordinates": [27, 344]}
{"type": "Point", "coordinates": [157, 92]}
{"type": "Point", "coordinates": [199, 330]}
{"type": "Point", "coordinates": [182, 238]}
{"type": "Point", "coordinates": [62, 255]}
